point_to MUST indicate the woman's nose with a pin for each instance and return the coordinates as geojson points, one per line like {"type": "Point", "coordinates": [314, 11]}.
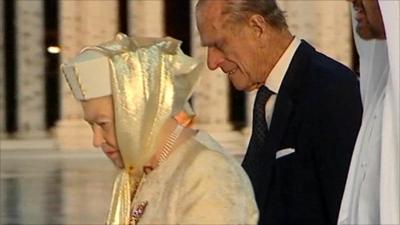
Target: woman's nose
{"type": "Point", "coordinates": [98, 138]}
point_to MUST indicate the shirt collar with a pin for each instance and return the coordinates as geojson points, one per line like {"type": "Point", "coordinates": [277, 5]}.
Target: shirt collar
{"type": "Point", "coordinates": [274, 80]}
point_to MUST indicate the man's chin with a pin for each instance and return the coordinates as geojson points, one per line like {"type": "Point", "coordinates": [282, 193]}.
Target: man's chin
{"type": "Point", "coordinates": [251, 88]}
{"type": "Point", "coordinates": [241, 87]}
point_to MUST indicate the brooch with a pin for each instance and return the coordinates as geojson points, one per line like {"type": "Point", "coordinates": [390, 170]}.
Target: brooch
{"type": "Point", "coordinates": [137, 211]}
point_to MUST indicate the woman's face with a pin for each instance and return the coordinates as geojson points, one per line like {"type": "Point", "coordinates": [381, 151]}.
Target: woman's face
{"type": "Point", "coordinates": [99, 113]}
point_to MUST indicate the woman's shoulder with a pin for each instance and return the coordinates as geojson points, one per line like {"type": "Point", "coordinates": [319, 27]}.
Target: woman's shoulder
{"type": "Point", "coordinates": [213, 186]}
{"type": "Point", "coordinates": [206, 150]}
{"type": "Point", "coordinates": [206, 156]}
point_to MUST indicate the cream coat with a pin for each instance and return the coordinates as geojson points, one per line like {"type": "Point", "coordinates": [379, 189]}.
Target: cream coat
{"type": "Point", "coordinates": [198, 184]}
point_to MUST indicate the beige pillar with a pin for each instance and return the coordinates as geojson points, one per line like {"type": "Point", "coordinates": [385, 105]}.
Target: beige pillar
{"type": "Point", "coordinates": [30, 64]}
{"type": "Point", "coordinates": [146, 18]}
{"type": "Point", "coordinates": [83, 23]}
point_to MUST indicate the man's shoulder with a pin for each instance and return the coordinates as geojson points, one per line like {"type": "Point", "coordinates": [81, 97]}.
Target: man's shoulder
{"type": "Point", "coordinates": [321, 63]}
{"type": "Point", "coordinates": [325, 72]}
{"type": "Point", "coordinates": [322, 78]}
{"type": "Point", "coordinates": [317, 69]}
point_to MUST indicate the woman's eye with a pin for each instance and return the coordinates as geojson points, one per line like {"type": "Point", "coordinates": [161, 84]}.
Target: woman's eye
{"type": "Point", "coordinates": [102, 124]}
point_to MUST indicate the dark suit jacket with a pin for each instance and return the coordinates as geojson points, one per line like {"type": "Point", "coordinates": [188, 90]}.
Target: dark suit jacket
{"type": "Point", "coordinates": [318, 113]}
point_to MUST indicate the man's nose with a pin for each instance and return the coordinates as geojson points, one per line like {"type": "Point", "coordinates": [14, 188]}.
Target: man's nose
{"type": "Point", "coordinates": [214, 58]}
{"type": "Point", "coordinates": [98, 138]}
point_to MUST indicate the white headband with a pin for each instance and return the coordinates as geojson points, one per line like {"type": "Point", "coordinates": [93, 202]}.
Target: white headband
{"type": "Point", "coordinates": [88, 75]}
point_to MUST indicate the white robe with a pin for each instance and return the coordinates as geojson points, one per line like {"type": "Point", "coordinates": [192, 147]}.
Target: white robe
{"type": "Point", "coordinates": [372, 190]}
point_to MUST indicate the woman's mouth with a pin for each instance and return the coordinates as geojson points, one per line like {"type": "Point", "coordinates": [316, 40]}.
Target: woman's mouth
{"type": "Point", "coordinates": [111, 153]}
{"type": "Point", "coordinates": [108, 150]}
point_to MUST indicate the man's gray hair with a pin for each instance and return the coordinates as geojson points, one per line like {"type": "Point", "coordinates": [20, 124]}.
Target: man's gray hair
{"type": "Point", "coordinates": [240, 10]}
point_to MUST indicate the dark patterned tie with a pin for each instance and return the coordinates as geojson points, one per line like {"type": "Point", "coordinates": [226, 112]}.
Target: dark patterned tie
{"type": "Point", "coordinates": [260, 127]}
{"type": "Point", "coordinates": [253, 161]}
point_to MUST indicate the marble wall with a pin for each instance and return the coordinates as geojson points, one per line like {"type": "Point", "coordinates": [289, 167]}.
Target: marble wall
{"type": "Point", "coordinates": [30, 72]}
{"type": "Point", "coordinates": [324, 24]}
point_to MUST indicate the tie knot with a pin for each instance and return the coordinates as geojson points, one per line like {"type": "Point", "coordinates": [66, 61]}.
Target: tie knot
{"type": "Point", "coordinates": [262, 96]}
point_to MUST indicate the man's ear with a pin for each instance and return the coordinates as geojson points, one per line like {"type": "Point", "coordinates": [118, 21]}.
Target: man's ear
{"type": "Point", "coordinates": [258, 24]}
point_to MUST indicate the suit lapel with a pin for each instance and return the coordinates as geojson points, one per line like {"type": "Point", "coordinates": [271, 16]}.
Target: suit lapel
{"type": "Point", "coordinates": [280, 119]}
{"type": "Point", "coordinates": [288, 92]}
{"type": "Point", "coordinates": [259, 167]}
{"type": "Point", "coordinates": [283, 111]}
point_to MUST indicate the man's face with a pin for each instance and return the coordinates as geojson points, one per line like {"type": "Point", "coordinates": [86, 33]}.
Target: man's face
{"type": "Point", "coordinates": [98, 112]}
{"type": "Point", "coordinates": [369, 19]}
{"type": "Point", "coordinates": [230, 47]}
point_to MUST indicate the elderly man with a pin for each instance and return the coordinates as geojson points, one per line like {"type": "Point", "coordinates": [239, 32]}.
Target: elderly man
{"type": "Point", "coordinates": [372, 189]}
{"type": "Point", "coordinates": [307, 111]}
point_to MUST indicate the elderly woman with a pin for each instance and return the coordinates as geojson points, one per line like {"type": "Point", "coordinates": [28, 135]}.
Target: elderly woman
{"type": "Point", "coordinates": [131, 89]}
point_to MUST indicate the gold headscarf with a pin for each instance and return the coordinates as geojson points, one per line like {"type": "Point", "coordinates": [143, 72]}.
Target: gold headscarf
{"type": "Point", "coordinates": [151, 80]}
